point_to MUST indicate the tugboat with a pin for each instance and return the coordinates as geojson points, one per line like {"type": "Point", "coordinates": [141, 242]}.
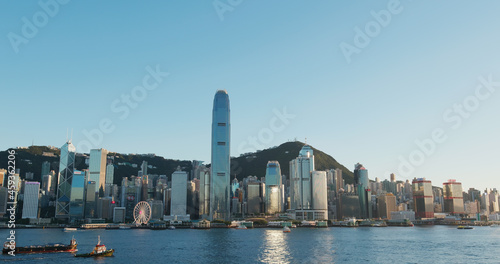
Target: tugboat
{"type": "Point", "coordinates": [99, 251]}
{"type": "Point", "coordinates": [49, 248]}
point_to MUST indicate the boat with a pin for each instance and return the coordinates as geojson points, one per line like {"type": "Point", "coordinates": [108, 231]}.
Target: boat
{"type": "Point", "coordinates": [9, 248]}
{"type": "Point", "coordinates": [241, 226]}
{"type": "Point", "coordinates": [69, 229]}
{"type": "Point", "coordinates": [123, 227]}
{"type": "Point", "coordinates": [294, 226]}
{"type": "Point", "coordinates": [99, 251]}
{"type": "Point", "coordinates": [286, 229]}
{"type": "Point", "coordinates": [465, 227]}
{"type": "Point", "coordinates": [171, 227]}
{"type": "Point", "coordinates": [494, 225]}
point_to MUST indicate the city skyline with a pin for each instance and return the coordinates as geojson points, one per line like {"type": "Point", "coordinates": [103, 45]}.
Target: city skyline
{"type": "Point", "coordinates": [411, 79]}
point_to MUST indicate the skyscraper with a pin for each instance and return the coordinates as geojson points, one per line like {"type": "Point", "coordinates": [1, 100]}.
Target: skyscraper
{"type": "Point", "coordinates": [364, 192]}
{"type": "Point", "coordinates": [97, 169]}
{"type": "Point", "coordinates": [45, 168]}
{"type": "Point", "coordinates": [423, 198]}
{"type": "Point", "coordinates": [110, 173]}
{"type": "Point", "coordinates": [453, 198]}
{"type": "Point", "coordinates": [179, 193]}
{"type": "Point", "coordinates": [65, 178]}
{"type": "Point", "coordinates": [274, 203]}
{"type": "Point", "coordinates": [300, 179]}
{"type": "Point", "coordinates": [30, 208]}
{"type": "Point", "coordinates": [220, 168]}
{"type": "Point", "coordinates": [77, 195]}
{"type": "Point", "coordinates": [204, 192]}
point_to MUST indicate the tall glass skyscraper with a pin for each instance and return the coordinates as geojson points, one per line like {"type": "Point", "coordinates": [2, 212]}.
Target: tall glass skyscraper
{"type": "Point", "coordinates": [364, 192]}
{"type": "Point", "coordinates": [300, 179]}
{"type": "Point", "coordinates": [274, 203]}
{"type": "Point", "coordinates": [66, 168]}
{"type": "Point", "coordinates": [221, 160]}
{"type": "Point", "coordinates": [77, 195]}
{"type": "Point", "coordinates": [97, 169]}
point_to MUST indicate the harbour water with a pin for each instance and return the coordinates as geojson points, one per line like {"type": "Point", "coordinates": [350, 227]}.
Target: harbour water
{"type": "Point", "coordinates": [419, 244]}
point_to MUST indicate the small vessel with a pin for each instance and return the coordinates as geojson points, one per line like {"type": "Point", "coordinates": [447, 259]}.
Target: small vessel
{"type": "Point", "coordinates": [465, 227]}
{"type": "Point", "coordinates": [171, 227]}
{"type": "Point", "coordinates": [69, 229]}
{"type": "Point", "coordinates": [241, 226]}
{"type": "Point", "coordinates": [294, 226]}
{"type": "Point", "coordinates": [494, 225]}
{"type": "Point", "coordinates": [286, 229]}
{"type": "Point", "coordinates": [99, 251]}
{"type": "Point", "coordinates": [123, 227]}
{"type": "Point", "coordinates": [49, 248]}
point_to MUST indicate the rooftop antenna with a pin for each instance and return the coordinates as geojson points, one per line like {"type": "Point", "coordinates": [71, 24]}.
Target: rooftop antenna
{"type": "Point", "coordinates": [306, 141]}
{"type": "Point", "coordinates": [67, 131]}
{"type": "Point", "coordinates": [71, 139]}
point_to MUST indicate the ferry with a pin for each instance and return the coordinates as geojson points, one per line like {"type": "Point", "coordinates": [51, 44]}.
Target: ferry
{"type": "Point", "coordinates": [99, 251]}
{"type": "Point", "coordinates": [69, 229]}
{"type": "Point", "coordinates": [286, 229]}
{"type": "Point", "coordinates": [465, 227]}
{"type": "Point", "coordinates": [49, 248]}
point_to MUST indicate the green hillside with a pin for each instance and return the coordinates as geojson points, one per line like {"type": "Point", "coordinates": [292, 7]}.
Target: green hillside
{"type": "Point", "coordinates": [255, 163]}
{"type": "Point", "coordinates": [31, 159]}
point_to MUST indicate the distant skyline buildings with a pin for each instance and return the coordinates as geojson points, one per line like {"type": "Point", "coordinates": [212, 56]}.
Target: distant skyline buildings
{"type": "Point", "coordinates": [274, 193]}
{"type": "Point", "coordinates": [221, 160]}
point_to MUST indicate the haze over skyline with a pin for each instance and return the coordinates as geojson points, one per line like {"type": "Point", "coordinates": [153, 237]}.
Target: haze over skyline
{"type": "Point", "coordinates": [275, 60]}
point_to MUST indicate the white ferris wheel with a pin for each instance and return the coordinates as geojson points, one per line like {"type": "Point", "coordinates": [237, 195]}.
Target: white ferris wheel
{"type": "Point", "coordinates": [142, 213]}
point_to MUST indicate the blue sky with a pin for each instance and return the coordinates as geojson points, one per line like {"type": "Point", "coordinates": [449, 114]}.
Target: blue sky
{"type": "Point", "coordinates": [269, 56]}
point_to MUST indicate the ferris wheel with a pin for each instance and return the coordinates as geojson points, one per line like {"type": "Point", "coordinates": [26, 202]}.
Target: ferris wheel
{"type": "Point", "coordinates": [142, 213]}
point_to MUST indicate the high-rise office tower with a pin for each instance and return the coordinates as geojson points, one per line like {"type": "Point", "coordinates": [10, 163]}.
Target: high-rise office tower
{"type": "Point", "coordinates": [90, 199]}
{"type": "Point", "coordinates": [273, 198]}
{"type": "Point", "coordinates": [97, 169]}
{"type": "Point", "coordinates": [45, 168]}
{"type": "Point", "coordinates": [386, 203]}
{"type": "Point", "coordinates": [144, 167]}
{"type": "Point", "coordinates": [221, 160]}
{"type": "Point", "coordinates": [204, 192]}
{"type": "Point", "coordinates": [65, 178]}
{"type": "Point", "coordinates": [77, 202]}
{"type": "Point", "coordinates": [179, 193]}
{"type": "Point", "coordinates": [364, 191]}
{"type": "Point", "coordinates": [423, 198]}
{"type": "Point", "coordinates": [319, 190]}
{"type": "Point", "coordinates": [110, 173]}
{"type": "Point", "coordinates": [30, 207]}
{"type": "Point", "coordinates": [300, 179]}
{"type": "Point", "coordinates": [453, 197]}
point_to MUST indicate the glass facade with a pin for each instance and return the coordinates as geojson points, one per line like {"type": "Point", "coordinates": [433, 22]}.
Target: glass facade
{"type": "Point", "coordinates": [65, 178]}
{"type": "Point", "coordinates": [300, 179]}
{"type": "Point", "coordinates": [97, 168]}
{"type": "Point", "coordinates": [77, 202]}
{"type": "Point", "coordinates": [220, 169]}
{"type": "Point", "coordinates": [274, 203]}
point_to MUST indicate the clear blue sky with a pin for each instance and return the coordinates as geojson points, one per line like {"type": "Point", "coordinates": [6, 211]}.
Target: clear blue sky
{"type": "Point", "coordinates": [267, 55]}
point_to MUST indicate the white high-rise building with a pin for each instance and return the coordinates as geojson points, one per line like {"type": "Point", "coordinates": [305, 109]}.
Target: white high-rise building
{"type": "Point", "coordinates": [30, 207]}
{"type": "Point", "coordinates": [97, 168]}
{"type": "Point", "coordinates": [178, 199]}
{"type": "Point", "coordinates": [319, 190]}
{"type": "Point", "coordinates": [300, 179]}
